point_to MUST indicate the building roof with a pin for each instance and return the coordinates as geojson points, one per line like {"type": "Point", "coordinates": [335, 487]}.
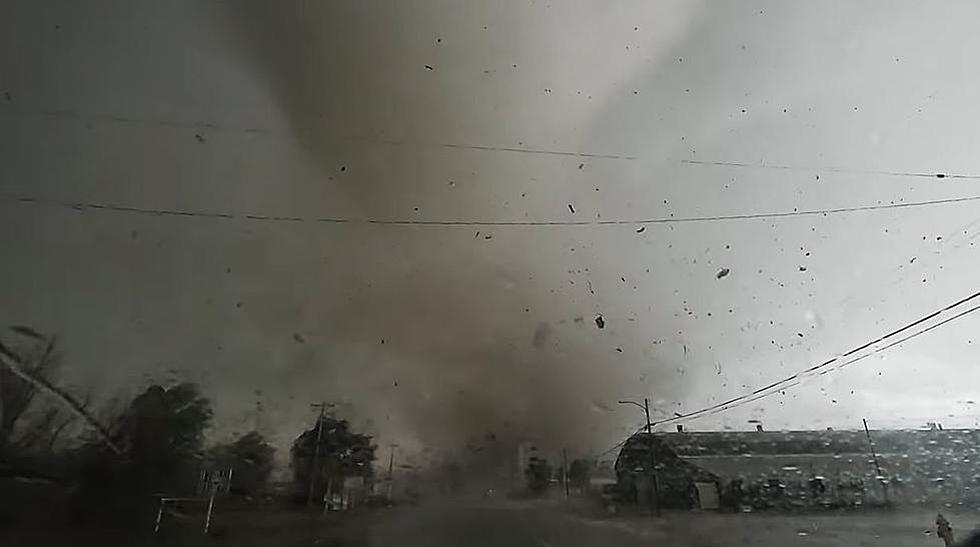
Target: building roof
{"type": "Point", "coordinates": [923, 455]}
{"type": "Point", "coordinates": [758, 443]}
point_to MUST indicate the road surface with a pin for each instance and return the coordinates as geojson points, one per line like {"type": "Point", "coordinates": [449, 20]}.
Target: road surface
{"type": "Point", "coordinates": [514, 524]}
{"type": "Point", "coordinates": [493, 525]}
{"type": "Point", "coordinates": [506, 523]}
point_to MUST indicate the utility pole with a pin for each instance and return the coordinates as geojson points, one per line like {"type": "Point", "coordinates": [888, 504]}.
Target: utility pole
{"type": "Point", "coordinates": [654, 487]}
{"type": "Point", "coordinates": [654, 490]}
{"type": "Point", "coordinates": [207, 519]}
{"type": "Point", "coordinates": [564, 471]}
{"type": "Point", "coordinates": [646, 410]}
{"type": "Point", "coordinates": [391, 468]}
{"type": "Point", "coordinates": [874, 458]}
{"type": "Point", "coordinates": [314, 465]}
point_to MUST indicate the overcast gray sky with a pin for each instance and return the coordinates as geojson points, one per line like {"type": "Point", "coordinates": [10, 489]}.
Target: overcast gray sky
{"type": "Point", "coordinates": [574, 112]}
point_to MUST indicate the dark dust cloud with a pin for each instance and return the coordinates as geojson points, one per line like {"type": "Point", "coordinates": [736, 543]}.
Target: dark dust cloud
{"type": "Point", "coordinates": [460, 367]}
{"type": "Point", "coordinates": [474, 337]}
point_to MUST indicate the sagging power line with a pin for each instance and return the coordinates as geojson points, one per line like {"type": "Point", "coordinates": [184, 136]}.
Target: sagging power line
{"type": "Point", "coordinates": [251, 217]}
{"type": "Point", "coordinates": [61, 114]}
{"type": "Point", "coordinates": [796, 379]}
{"type": "Point", "coordinates": [827, 366]}
{"type": "Point", "coordinates": [840, 170]}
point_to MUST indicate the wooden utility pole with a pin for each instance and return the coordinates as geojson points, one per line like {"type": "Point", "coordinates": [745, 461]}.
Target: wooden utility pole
{"type": "Point", "coordinates": [874, 458]}
{"type": "Point", "coordinates": [654, 487]}
{"type": "Point", "coordinates": [314, 465]}
{"type": "Point", "coordinates": [652, 472]}
{"type": "Point", "coordinates": [207, 519]}
{"type": "Point", "coordinates": [564, 471]}
{"type": "Point", "coordinates": [646, 411]}
{"type": "Point", "coordinates": [391, 469]}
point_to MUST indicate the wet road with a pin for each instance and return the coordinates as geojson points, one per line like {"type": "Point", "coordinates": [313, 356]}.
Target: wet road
{"type": "Point", "coordinates": [512, 525]}
{"type": "Point", "coordinates": [483, 525]}
{"type": "Point", "coordinates": [518, 524]}
{"type": "Point", "coordinates": [552, 525]}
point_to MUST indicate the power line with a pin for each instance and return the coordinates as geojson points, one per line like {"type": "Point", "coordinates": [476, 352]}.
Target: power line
{"type": "Point", "coordinates": [218, 215]}
{"type": "Point", "coordinates": [620, 443]}
{"type": "Point", "coordinates": [614, 447]}
{"type": "Point", "coordinates": [67, 114]}
{"type": "Point", "coordinates": [913, 174]}
{"type": "Point", "coordinates": [795, 383]}
{"type": "Point", "coordinates": [795, 379]}
{"type": "Point", "coordinates": [60, 114]}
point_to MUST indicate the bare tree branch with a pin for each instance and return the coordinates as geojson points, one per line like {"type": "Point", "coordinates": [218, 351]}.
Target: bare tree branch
{"type": "Point", "coordinates": [28, 331]}
{"type": "Point", "coordinates": [12, 362]}
{"type": "Point", "coordinates": [38, 429]}
{"type": "Point", "coordinates": [56, 432]}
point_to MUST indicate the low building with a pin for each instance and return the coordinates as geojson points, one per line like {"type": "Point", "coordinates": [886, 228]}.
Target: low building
{"type": "Point", "coordinates": [676, 478]}
{"type": "Point", "coordinates": [835, 468]}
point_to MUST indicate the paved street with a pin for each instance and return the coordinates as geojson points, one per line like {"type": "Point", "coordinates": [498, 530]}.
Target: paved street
{"type": "Point", "coordinates": [462, 524]}
{"type": "Point", "coordinates": [538, 525]}
{"type": "Point", "coordinates": [517, 525]}
{"type": "Point", "coordinates": [533, 524]}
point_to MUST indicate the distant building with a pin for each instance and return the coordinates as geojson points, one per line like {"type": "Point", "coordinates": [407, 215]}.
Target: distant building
{"type": "Point", "coordinates": [526, 450]}
{"type": "Point", "coordinates": [676, 477]}
{"type": "Point", "coordinates": [827, 467]}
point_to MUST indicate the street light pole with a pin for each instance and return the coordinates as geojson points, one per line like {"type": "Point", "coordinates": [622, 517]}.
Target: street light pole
{"type": "Point", "coordinates": [645, 407]}
{"type": "Point", "coordinates": [654, 490]}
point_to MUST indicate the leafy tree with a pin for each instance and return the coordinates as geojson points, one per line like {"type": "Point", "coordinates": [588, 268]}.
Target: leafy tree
{"type": "Point", "coordinates": [250, 458]}
{"type": "Point", "coordinates": [156, 447]}
{"type": "Point", "coordinates": [160, 436]}
{"type": "Point", "coordinates": [343, 453]}
{"type": "Point", "coordinates": [579, 473]}
{"type": "Point", "coordinates": [163, 428]}
{"type": "Point", "coordinates": [538, 475]}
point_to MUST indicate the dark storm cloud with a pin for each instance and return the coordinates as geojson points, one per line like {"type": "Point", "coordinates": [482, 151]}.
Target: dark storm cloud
{"type": "Point", "coordinates": [435, 335]}
{"type": "Point", "coordinates": [454, 364]}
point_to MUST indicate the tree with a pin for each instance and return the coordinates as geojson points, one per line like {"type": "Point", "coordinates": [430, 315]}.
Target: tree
{"type": "Point", "coordinates": [538, 475]}
{"type": "Point", "coordinates": [159, 437]}
{"type": "Point", "coordinates": [579, 474]}
{"type": "Point", "coordinates": [250, 459]}
{"type": "Point", "coordinates": [162, 433]}
{"type": "Point", "coordinates": [28, 424]}
{"type": "Point", "coordinates": [158, 449]}
{"type": "Point", "coordinates": [343, 453]}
